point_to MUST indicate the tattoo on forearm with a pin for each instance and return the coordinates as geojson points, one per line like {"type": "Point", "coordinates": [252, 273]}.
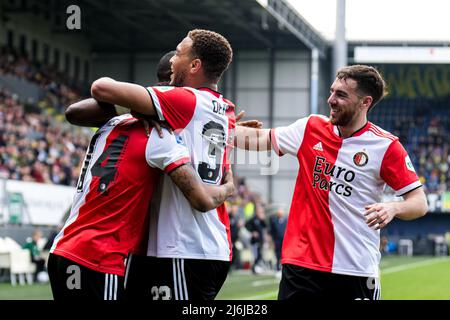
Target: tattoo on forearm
{"type": "Point", "coordinates": [223, 194]}
{"type": "Point", "coordinates": [186, 180]}
{"type": "Point", "coordinates": [183, 180]}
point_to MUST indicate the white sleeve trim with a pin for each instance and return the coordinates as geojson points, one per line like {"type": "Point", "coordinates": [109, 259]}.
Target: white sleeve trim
{"type": "Point", "coordinates": [162, 152]}
{"type": "Point", "coordinates": [290, 138]}
{"type": "Point", "coordinates": [156, 103]}
{"type": "Point", "coordinates": [408, 188]}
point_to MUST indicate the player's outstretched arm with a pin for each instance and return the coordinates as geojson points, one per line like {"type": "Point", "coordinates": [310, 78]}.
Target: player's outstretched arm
{"type": "Point", "coordinates": [201, 196]}
{"type": "Point", "coordinates": [252, 139]}
{"type": "Point", "coordinates": [90, 113]}
{"type": "Point", "coordinates": [414, 206]}
{"type": "Point", "coordinates": [125, 94]}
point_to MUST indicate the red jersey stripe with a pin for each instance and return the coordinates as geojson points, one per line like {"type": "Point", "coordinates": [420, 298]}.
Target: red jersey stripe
{"type": "Point", "coordinates": [313, 228]}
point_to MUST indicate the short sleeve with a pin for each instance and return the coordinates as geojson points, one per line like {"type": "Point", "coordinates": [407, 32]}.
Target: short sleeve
{"type": "Point", "coordinates": [165, 153]}
{"type": "Point", "coordinates": [174, 105]}
{"type": "Point", "coordinates": [288, 139]}
{"type": "Point", "coordinates": [398, 171]}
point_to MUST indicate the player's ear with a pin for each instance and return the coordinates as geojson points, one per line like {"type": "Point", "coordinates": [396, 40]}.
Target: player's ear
{"type": "Point", "coordinates": [367, 101]}
{"type": "Point", "coordinates": [196, 65]}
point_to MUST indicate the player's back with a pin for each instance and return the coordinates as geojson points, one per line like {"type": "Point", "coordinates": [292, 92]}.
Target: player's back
{"type": "Point", "coordinates": [178, 230]}
{"type": "Point", "coordinates": [109, 216]}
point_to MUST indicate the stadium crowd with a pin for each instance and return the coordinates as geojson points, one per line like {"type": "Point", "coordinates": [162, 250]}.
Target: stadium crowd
{"type": "Point", "coordinates": [36, 146]}
{"type": "Point", "coordinates": [36, 143]}
{"type": "Point", "coordinates": [428, 141]}
{"type": "Point", "coordinates": [60, 89]}
{"type": "Point", "coordinates": [433, 155]}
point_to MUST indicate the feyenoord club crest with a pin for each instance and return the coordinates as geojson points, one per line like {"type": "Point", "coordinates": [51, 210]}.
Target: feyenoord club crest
{"type": "Point", "coordinates": [360, 159]}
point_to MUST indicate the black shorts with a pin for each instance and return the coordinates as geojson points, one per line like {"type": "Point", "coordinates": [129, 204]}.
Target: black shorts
{"type": "Point", "coordinates": [70, 280]}
{"type": "Point", "coordinates": [303, 283]}
{"type": "Point", "coordinates": [154, 278]}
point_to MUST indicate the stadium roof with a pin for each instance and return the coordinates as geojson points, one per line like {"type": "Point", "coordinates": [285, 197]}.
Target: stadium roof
{"type": "Point", "coordinates": [154, 25]}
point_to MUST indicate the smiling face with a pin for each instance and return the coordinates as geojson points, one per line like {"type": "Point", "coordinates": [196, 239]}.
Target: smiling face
{"type": "Point", "coordinates": [345, 102]}
{"type": "Point", "coordinates": [180, 63]}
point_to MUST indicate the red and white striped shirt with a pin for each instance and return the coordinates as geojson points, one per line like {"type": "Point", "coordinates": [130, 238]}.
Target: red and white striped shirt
{"type": "Point", "coordinates": [204, 120]}
{"type": "Point", "coordinates": [109, 214]}
{"type": "Point", "coordinates": [337, 178]}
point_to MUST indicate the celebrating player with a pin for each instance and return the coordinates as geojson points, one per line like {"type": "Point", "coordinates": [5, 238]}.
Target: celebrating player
{"type": "Point", "coordinates": [330, 249]}
{"type": "Point", "coordinates": [109, 216]}
{"type": "Point", "coordinates": [189, 252]}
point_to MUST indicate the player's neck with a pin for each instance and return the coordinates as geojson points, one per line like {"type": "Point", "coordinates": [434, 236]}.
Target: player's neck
{"type": "Point", "coordinates": [356, 125]}
{"type": "Point", "coordinates": [208, 84]}
{"type": "Point", "coordinates": [202, 82]}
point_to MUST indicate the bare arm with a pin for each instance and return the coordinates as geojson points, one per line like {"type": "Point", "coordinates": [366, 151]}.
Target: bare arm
{"type": "Point", "coordinates": [89, 113]}
{"type": "Point", "coordinates": [252, 139]}
{"type": "Point", "coordinates": [201, 196]}
{"type": "Point", "coordinates": [414, 206]}
{"type": "Point", "coordinates": [128, 95]}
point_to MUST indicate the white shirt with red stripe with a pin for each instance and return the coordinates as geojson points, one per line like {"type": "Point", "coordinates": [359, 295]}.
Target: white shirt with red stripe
{"type": "Point", "coordinates": [203, 120]}
{"type": "Point", "coordinates": [109, 214]}
{"type": "Point", "coordinates": [337, 178]}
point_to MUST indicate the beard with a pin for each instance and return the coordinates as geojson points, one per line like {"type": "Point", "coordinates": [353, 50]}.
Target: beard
{"type": "Point", "coordinates": [178, 79]}
{"type": "Point", "coordinates": [343, 117]}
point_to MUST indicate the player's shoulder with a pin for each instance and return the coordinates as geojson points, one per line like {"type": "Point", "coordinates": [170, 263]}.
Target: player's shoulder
{"type": "Point", "coordinates": [313, 120]}
{"type": "Point", "coordinates": [167, 138]}
{"type": "Point", "coordinates": [229, 103]}
{"type": "Point", "coordinates": [122, 119]}
{"type": "Point", "coordinates": [318, 118]}
{"type": "Point", "coordinates": [171, 89]}
{"type": "Point", "coordinates": [380, 133]}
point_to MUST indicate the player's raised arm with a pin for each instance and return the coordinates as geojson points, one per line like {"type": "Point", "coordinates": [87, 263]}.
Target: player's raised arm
{"type": "Point", "coordinates": [201, 196]}
{"type": "Point", "coordinates": [90, 113]}
{"type": "Point", "coordinates": [125, 94]}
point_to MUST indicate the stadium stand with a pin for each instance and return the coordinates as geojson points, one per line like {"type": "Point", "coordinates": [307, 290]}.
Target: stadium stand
{"type": "Point", "coordinates": [423, 126]}
{"type": "Point", "coordinates": [35, 142]}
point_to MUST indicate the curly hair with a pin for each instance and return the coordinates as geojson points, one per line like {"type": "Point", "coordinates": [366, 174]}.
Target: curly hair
{"type": "Point", "coordinates": [213, 50]}
{"type": "Point", "coordinates": [369, 80]}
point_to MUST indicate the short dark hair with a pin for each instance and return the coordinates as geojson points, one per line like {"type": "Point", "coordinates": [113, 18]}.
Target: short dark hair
{"type": "Point", "coordinates": [369, 80]}
{"type": "Point", "coordinates": [213, 50]}
{"type": "Point", "coordinates": [163, 69]}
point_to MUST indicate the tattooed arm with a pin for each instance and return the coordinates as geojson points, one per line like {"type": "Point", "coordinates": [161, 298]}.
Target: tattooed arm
{"type": "Point", "coordinates": [201, 196]}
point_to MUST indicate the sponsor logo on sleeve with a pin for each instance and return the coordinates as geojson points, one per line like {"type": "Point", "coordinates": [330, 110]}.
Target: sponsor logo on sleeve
{"type": "Point", "coordinates": [180, 139]}
{"type": "Point", "coordinates": [409, 164]}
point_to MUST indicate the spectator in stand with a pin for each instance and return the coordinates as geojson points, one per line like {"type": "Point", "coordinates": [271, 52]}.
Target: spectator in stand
{"type": "Point", "coordinates": [236, 223]}
{"type": "Point", "coordinates": [257, 226]}
{"type": "Point", "coordinates": [36, 258]}
{"type": "Point", "coordinates": [277, 229]}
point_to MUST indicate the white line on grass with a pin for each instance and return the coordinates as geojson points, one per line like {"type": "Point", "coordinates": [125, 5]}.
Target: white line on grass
{"type": "Point", "coordinates": [262, 296]}
{"type": "Point", "coordinates": [413, 265]}
{"type": "Point", "coordinates": [259, 283]}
